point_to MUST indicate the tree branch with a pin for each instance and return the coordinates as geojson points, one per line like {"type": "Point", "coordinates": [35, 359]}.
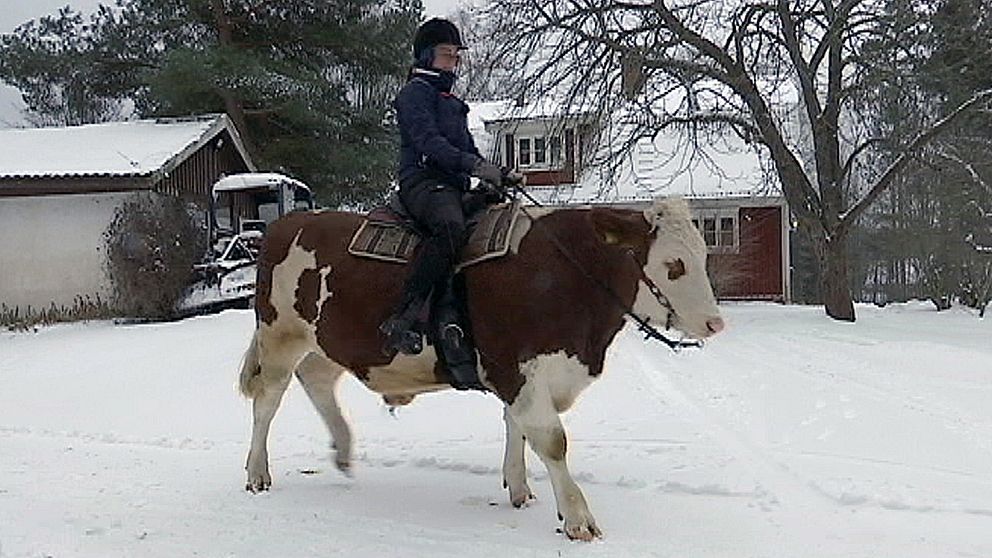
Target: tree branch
{"type": "Point", "coordinates": [848, 218]}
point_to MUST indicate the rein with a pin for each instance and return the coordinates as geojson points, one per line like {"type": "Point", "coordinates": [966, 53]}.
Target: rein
{"type": "Point", "coordinates": [643, 324]}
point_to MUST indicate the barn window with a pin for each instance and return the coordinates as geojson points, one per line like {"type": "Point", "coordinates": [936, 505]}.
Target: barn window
{"type": "Point", "coordinates": [719, 230]}
{"type": "Point", "coordinates": [709, 231]}
{"type": "Point", "coordinates": [726, 231]}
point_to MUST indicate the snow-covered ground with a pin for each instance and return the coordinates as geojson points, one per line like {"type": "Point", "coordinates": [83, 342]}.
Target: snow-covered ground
{"type": "Point", "coordinates": [790, 435]}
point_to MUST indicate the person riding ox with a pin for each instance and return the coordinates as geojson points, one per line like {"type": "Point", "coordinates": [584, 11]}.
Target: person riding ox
{"type": "Point", "coordinates": [437, 157]}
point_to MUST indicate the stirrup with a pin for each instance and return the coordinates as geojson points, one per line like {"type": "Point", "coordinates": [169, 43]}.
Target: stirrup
{"type": "Point", "coordinates": [464, 374]}
{"type": "Point", "coordinates": [453, 335]}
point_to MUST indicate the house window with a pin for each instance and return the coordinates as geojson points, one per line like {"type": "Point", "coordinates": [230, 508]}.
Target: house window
{"type": "Point", "coordinates": [726, 232]}
{"type": "Point", "coordinates": [539, 153]}
{"type": "Point", "coordinates": [719, 232]}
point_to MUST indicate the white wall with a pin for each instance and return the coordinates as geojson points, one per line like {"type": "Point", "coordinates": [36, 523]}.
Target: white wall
{"type": "Point", "coordinates": [51, 248]}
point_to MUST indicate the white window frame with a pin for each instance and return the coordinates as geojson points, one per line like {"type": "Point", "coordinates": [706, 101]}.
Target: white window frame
{"type": "Point", "coordinates": [532, 139]}
{"type": "Point", "coordinates": [718, 217]}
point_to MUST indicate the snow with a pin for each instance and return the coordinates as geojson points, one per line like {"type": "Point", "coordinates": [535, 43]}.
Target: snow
{"type": "Point", "coordinates": [251, 180]}
{"type": "Point", "coordinates": [137, 147]}
{"type": "Point", "coordinates": [666, 165]}
{"type": "Point", "coordinates": [788, 435]}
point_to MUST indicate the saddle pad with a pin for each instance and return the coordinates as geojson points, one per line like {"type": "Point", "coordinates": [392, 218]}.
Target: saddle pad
{"type": "Point", "coordinates": [394, 242]}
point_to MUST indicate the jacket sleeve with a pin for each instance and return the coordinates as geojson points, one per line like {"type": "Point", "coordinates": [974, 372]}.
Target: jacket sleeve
{"type": "Point", "coordinates": [416, 113]}
{"type": "Point", "coordinates": [475, 150]}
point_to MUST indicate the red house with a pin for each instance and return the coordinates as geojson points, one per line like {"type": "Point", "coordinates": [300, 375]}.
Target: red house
{"type": "Point", "coordinates": [742, 215]}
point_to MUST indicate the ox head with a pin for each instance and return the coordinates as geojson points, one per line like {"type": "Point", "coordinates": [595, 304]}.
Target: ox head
{"type": "Point", "coordinates": [676, 264]}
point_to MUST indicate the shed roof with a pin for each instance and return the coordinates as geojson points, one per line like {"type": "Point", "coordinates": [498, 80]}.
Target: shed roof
{"type": "Point", "coordinates": [114, 149]}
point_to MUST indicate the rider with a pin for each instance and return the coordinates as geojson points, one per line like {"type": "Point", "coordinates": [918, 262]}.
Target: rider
{"type": "Point", "coordinates": [437, 156]}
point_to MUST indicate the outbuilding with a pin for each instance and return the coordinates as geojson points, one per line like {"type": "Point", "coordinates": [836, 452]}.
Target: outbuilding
{"type": "Point", "coordinates": [60, 188]}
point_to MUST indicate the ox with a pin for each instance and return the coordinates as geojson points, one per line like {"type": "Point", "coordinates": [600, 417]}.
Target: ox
{"type": "Point", "coordinates": [542, 316]}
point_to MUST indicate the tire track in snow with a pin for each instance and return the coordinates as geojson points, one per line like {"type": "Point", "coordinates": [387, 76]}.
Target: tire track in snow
{"type": "Point", "coordinates": [749, 355]}
{"type": "Point", "coordinates": [777, 485]}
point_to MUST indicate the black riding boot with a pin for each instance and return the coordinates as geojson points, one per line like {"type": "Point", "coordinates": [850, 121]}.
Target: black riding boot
{"type": "Point", "coordinates": [437, 208]}
{"type": "Point", "coordinates": [452, 338]}
{"type": "Point", "coordinates": [403, 331]}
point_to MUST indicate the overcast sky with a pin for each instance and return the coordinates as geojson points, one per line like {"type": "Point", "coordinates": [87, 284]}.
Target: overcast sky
{"type": "Point", "coordinates": [16, 12]}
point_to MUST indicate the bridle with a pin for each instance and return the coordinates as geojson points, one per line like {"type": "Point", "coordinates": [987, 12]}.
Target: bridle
{"type": "Point", "coordinates": [643, 323]}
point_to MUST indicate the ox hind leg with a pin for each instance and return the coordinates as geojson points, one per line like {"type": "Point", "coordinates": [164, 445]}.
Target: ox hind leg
{"type": "Point", "coordinates": [534, 413]}
{"type": "Point", "coordinates": [320, 378]}
{"type": "Point", "coordinates": [514, 464]}
{"type": "Point", "coordinates": [268, 368]}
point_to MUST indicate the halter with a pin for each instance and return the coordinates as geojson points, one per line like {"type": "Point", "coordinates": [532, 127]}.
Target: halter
{"type": "Point", "coordinates": [642, 323]}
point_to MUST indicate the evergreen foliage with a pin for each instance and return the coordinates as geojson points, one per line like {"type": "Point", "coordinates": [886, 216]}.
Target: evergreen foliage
{"type": "Point", "coordinates": [308, 83]}
{"type": "Point", "coordinates": [918, 240]}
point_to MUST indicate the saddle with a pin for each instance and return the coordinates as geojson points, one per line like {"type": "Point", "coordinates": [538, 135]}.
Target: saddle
{"type": "Point", "coordinates": [388, 234]}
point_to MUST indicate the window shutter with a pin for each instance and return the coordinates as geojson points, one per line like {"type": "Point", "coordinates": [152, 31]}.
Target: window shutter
{"type": "Point", "coordinates": [570, 149]}
{"type": "Point", "coordinates": [510, 153]}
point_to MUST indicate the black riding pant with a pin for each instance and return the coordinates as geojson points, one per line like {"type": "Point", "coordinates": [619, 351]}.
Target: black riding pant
{"type": "Point", "coordinates": [437, 209]}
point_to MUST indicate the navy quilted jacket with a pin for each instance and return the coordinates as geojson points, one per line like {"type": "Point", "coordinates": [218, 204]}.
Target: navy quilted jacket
{"type": "Point", "coordinates": [434, 137]}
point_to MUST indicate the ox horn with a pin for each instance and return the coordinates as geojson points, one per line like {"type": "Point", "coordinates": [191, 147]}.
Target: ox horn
{"type": "Point", "coordinates": [653, 213]}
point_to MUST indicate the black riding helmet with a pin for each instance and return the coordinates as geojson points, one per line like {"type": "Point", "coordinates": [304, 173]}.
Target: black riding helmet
{"type": "Point", "coordinates": [433, 32]}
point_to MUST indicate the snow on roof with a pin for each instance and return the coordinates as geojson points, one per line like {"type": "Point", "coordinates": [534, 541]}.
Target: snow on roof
{"type": "Point", "coordinates": [726, 168]}
{"type": "Point", "coordinates": [478, 115]}
{"type": "Point", "coordinates": [251, 180]}
{"type": "Point", "coordinates": [133, 148]}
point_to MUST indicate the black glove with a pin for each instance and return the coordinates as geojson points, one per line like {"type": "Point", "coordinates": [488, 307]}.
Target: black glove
{"type": "Point", "coordinates": [488, 172]}
{"type": "Point", "coordinates": [493, 193]}
{"type": "Point", "coordinates": [512, 178]}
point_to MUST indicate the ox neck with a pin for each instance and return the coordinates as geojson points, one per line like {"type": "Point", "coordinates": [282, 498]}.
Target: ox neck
{"type": "Point", "coordinates": [643, 324]}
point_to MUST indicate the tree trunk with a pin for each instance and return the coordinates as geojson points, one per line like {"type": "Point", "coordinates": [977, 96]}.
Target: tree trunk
{"type": "Point", "coordinates": [232, 103]}
{"type": "Point", "coordinates": [835, 285]}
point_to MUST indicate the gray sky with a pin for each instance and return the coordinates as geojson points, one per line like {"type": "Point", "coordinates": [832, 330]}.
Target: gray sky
{"type": "Point", "coordinates": [16, 12]}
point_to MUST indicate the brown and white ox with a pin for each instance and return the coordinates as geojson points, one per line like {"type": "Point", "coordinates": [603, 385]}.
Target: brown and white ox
{"type": "Point", "coordinates": [542, 321]}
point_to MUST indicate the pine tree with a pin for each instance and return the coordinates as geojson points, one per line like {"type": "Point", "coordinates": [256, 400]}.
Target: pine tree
{"type": "Point", "coordinates": [308, 83]}
{"type": "Point", "coordinates": [914, 242]}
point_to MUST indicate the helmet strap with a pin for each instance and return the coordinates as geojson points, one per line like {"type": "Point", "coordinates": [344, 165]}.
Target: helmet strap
{"type": "Point", "coordinates": [425, 59]}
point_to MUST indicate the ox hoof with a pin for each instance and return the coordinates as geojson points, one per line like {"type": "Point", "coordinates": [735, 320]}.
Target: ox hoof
{"type": "Point", "coordinates": [257, 485]}
{"type": "Point", "coordinates": [520, 499]}
{"type": "Point", "coordinates": [582, 530]}
{"type": "Point", "coordinates": [258, 482]}
{"type": "Point", "coordinates": [344, 466]}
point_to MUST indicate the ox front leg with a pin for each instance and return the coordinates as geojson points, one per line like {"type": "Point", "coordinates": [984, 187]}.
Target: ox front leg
{"type": "Point", "coordinates": [514, 465]}
{"type": "Point", "coordinates": [320, 378]}
{"type": "Point", "coordinates": [535, 414]}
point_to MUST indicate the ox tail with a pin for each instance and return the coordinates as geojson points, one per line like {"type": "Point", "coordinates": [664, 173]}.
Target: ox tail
{"type": "Point", "coordinates": [250, 369]}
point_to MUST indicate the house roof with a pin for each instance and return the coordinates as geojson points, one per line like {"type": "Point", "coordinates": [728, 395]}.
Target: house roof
{"type": "Point", "coordinates": [722, 167]}
{"type": "Point", "coordinates": [115, 149]}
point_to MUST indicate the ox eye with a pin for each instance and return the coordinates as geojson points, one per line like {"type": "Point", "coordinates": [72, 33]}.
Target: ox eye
{"type": "Point", "coordinates": [676, 269]}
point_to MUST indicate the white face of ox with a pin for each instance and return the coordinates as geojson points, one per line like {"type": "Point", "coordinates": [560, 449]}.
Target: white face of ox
{"type": "Point", "coordinates": [677, 265]}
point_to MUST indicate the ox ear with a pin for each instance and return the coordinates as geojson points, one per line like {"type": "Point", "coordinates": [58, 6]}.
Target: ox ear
{"type": "Point", "coordinates": [620, 228]}
{"type": "Point", "coordinates": [663, 208]}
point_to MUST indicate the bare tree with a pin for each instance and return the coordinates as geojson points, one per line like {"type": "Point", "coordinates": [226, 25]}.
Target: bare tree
{"type": "Point", "coordinates": [783, 74]}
